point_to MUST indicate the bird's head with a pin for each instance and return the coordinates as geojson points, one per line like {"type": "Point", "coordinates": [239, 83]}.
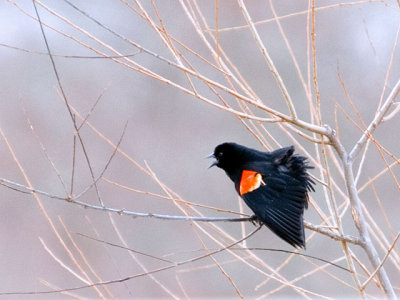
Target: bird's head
{"type": "Point", "coordinates": [227, 155]}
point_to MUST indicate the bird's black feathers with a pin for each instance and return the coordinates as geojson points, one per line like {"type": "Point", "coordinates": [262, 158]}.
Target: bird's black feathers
{"type": "Point", "coordinates": [279, 194]}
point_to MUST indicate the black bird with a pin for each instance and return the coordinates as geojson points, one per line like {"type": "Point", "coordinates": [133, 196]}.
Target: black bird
{"type": "Point", "coordinates": [274, 185]}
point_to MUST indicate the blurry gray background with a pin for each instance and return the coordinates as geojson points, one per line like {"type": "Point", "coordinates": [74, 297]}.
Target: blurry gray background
{"type": "Point", "coordinates": [173, 132]}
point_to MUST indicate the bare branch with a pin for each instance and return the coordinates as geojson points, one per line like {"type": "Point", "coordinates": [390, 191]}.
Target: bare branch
{"type": "Point", "coordinates": [393, 113]}
{"type": "Point", "coordinates": [333, 235]}
{"type": "Point", "coordinates": [361, 225]}
{"type": "Point", "coordinates": [381, 264]}
{"type": "Point", "coordinates": [268, 59]}
{"type": "Point", "coordinates": [376, 121]}
{"type": "Point", "coordinates": [126, 212]}
{"type": "Point", "coordinates": [141, 274]}
{"type": "Point", "coordinates": [64, 97]}
{"type": "Point", "coordinates": [207, 72]}
{"type": "Point", "coordinates": [125, 248]}
{"type": "Point", "coordinates": [299, 13]}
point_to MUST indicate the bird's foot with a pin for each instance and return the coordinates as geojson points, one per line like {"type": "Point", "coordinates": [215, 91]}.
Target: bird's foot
{"type": "Point", "coordinates": [255, 220]}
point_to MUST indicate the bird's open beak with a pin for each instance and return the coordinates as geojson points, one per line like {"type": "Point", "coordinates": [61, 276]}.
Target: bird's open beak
{"type": "Point", "coordinates": [215, 162]}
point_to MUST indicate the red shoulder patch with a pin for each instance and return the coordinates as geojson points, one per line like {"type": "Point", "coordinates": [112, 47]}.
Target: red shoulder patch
{"type": "Point", "coordinates": [250, 181]}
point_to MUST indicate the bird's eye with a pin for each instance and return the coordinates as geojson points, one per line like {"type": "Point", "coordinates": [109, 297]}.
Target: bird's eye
{"type": "Point", "coordinates": [219, 154]}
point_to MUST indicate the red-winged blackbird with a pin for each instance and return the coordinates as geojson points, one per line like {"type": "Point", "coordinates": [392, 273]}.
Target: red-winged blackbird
{"type": "Point", "coordinates": [274, 185]}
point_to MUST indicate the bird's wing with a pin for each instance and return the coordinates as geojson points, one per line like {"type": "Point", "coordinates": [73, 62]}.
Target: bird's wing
{"type": "Point", "coordinates": [279, 202]}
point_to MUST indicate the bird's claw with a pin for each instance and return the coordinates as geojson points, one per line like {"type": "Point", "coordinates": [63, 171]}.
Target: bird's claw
{"type": "Point", "coordinates": [255, 220]}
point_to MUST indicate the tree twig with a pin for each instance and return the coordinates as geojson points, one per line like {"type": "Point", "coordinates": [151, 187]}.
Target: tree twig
{"type": "Point", "coordinates": [268, 59]}
{"type": "Point", "coordinates": [319, 229]}
{"type": "Point", "coordinates": [191, 260]}
{"type": "Point", "coordinates": [382, 262]}
{"type": "Point", "coordinates": [376, 121]}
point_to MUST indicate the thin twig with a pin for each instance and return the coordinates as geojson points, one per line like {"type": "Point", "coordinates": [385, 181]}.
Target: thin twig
{"type": "Point", "coordinates": [361, 225]}
{"type": "Point", "coordinates": [376, 121]}
{"type": "Point", "coordinates": [125, 248]}
{"type": "Point", "coordinates": [137, 275]}
{"type": "Point", "coordinates": [68, 56]}
{"type": "Point", "coordinates": [35, 195]}
{"type": "Point", "coordinates": [94, 183]}
{"type": "Point", "coordinates": [324, 130]}
{"type": "Point", "coordinates": [219, 266]}
{"type": "Point", "coordinates": [381, 264]}
{"type": "Point", "coordinates": [295, 14]}
{"type": "Point", "coordinates": [64, 96]}
{"type": "Point", "coordinates": [268, 59]}
{"type": "Point", "coordinates": [85, 261]}
{"type": "Point", "coordinates": [393, 113]}
{"type": "Point", "coordinates": [332, 235]}
{"type": "Point", "coordinates": [126, 212]}
{"type": "Point", "coordinates": [42, 146]}
{"type": "Point", "coordinates": [62, 264]}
